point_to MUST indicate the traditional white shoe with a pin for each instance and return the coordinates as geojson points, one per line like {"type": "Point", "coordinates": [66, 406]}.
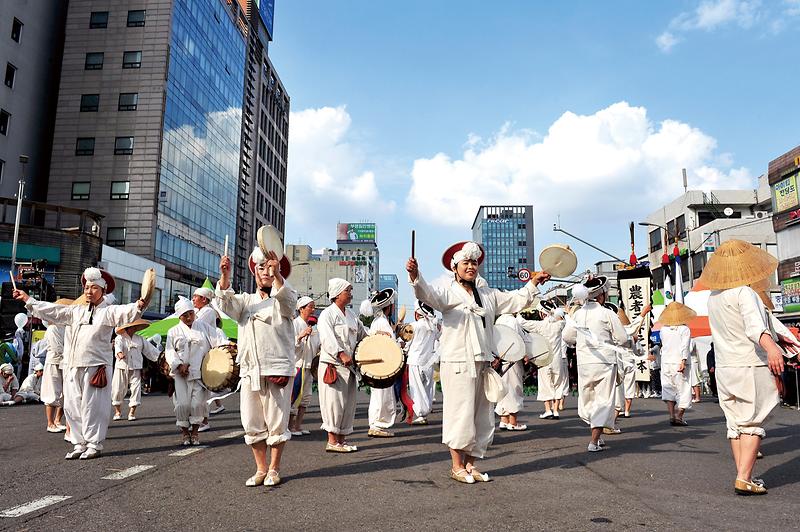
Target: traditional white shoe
{"type": "Point", "coordinates": [204, 427]}
{"type": "Point", "coordinates": [546, 415]}
{"type": "Point", "coordinates": [131, 417]}
{"type": "Point", "coordinates": [53, 429]}
{"type": "Point", "coordinates": [517, 427]}
{"type": "Point", "coordinates": [61, 428]}
{"type": "Point", "coordinates": [420, 421]}
{"type": "Point", "coordinates": [305, 432]}
{"type": "Point", "coordinates": [218, 410]}
{"type": "Point", "coordinates": [503, 426]}
{"type": "Point", "coordinates": [556, 415]}
{"type": "Point", "coordinates": [272, 479]}
{"type": "Point", "coordinates": [601, 442]}
{"type": "Point", "coordinates": [594, 448]}
{"type": "Point", "coordinates": [297, 432]}
{"type": "Point", "coordinates": [75, 453]}
{"type": "Point", "coordinates": [90, 453]}
{"type": "Point", "coordinates": [117, 417]}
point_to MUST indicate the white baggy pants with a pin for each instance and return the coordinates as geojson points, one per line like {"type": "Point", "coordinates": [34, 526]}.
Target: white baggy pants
{"type": "Point", "coordinates": [513, 380]}
{"type": "Point", "coordinates": [597, 388]}
{"type": "Point", "coordinates": [337, 401]}
{"type": "Point", "coordinates": [190, 402]}
{"type": "Point", "coordinates": [123, 379]}
{"type": "Point", "coordinates": [382, 408]}
{"type": "Point", "coordinates": [265, 413]}
{"type": "Point", "coordinates": [87, 408]}
{"type": "Point", "coordinates": [468, 417]}
{"type": "Point", "coordinates": [421, 388]}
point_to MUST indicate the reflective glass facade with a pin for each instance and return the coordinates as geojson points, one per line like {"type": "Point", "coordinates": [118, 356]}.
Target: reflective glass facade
{"type": "Point", "coordinates": [201, 137]}
{"type": "Point", "coordinates": [506, 234]}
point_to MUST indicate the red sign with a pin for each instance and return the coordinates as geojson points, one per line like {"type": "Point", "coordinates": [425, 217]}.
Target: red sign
{"type": "Point", "coordinates": [347, 263]}
{"type": "Point", "coordinates": [524, 275]}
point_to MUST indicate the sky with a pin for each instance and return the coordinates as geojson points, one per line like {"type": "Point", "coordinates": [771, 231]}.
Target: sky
{"type": "Point", "coordinates": [412, 115]}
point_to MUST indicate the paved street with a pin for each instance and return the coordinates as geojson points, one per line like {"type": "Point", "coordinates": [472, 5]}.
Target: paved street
{"type": "Point", "coordinates": [653, 477]}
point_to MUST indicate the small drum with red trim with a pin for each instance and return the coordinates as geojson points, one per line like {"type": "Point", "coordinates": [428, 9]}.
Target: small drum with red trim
{"type": "Point", "coordinates": [380, 360]}
{"type": "Point", "coordinates": [219, 370]}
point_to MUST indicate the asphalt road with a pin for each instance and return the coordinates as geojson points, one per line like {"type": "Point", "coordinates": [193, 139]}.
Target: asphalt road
{"type": "Point", "coordinates": [653, 477]}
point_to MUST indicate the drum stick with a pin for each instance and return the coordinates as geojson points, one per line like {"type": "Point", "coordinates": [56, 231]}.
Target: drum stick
{"type": "Point", "coordinates": [370, 361]}
{"type": "Point", "coordinates": [226, 246]}
{"type": "Point", "coordinates": [506, 352]}
{"type": "Point", "coordinates": [13, 281]}
{"type": "Point", "coordinates": [413, 242]}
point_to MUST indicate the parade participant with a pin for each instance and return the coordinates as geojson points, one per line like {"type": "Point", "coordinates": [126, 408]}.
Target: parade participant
{"type": "Point", "coordinates": [266, 357]}
{"type": "Point", "coordinates": [552, 378]}
{"type": "Point", "coordinates": [31, 389]}
{"type": "Point", "coordinates": [676, 343]}
{"type": "Point", "coordinates": [52, 379]}
{"type": "Point", "coordinates": [596, 332]}
{"type": "Point", "coordinates": [205, 313]}
{"type": "Point", "coordinates": [694, 372]}
{"type": "Point", "coordinates": [469, 313]}
{"type": "Point", "coordinates": [339, 333]}
{"type": "Point", "coordinates": [187, 343]}
{"type": "Point", "coordinates": [10, 384]}
{"type": "Point", "coordinates": [421, 358]}
{"type": "Point", "coordinates": [87, 397]}
{"type": "Point", "coordinates": [306, 347]}
{"type": "Point", "coordinates": [382, 404]}
{"type": "Point", "coordinates": [513, 376]}
{"type": "Point", "coordinates": [747, 356]}
{"type": "Point", "coordinates": [131, 350]}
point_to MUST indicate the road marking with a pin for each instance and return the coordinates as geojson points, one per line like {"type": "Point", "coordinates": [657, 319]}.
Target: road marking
{"type": "Point", "coordinates": [125, 473]}
{"type": "Point", "coordinates": [32, 506]}
{"type": "Point", "coordinates": [231, 435]}
{"type": "Point", "coordinates": [188, 451]}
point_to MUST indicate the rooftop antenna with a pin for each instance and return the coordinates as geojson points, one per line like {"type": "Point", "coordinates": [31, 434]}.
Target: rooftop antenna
{"type": "Point", "coordinates": [685, 181]}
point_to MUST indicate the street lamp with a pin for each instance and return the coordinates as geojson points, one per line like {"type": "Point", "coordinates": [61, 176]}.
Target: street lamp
{"type": "Point", "coordinates": [668, 234]}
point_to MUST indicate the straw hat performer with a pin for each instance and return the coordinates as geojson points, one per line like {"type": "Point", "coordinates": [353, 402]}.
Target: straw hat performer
{"type": "Point", "coordinates": [130, 350]}
{"type": "Point", "coordinates": [468, 311]}
{"type": "Point", "coordinates": [676, 345]}
{"type": "Point", "coordinates": [266, 357]}
{"type": "Point", "coordinates": [747, 356]}
{"type": "Point", "coordinates": [87, 405]}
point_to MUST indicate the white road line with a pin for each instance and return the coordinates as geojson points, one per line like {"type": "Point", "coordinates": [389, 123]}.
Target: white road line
{"type": "Point", "coordinates": [32, 506]}
{"type": "Point", "coordinates": [125, 473]}
{"type": "Point", "coordinates": [188, 451]}
{"type": "Point", "coordinates": [231, 435]}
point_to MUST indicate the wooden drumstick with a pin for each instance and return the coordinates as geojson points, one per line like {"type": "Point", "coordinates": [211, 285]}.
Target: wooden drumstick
{"type": "Point", "coordinates": [370, 361]}
{"type": "Point", "coordinates": [413, 242]}
{"type": "Point", "coordinates": [13, 281]}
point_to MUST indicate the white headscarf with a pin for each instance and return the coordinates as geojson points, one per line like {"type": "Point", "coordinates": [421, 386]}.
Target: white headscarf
{"type": "Point", "coordinates": [303, 301]}
{"type": "Point", "coordinates": [336, 286]}
{"type": "Point", "coordinates": [183, 306]}
{"type": "Point", "coordinates": [6, 368]}
{"type": "Point", "coordinates": [470, 251]}
{"type": "Point", "coordinates": [93, 276]}
{"type": "Point", "coordinates": [38, 367]}
{"type": "Point", "coordinates": [204, 292]}
{"type": "Point", "coordinates": [580, 294]}
{"type": "Point", "coordinates": [257, 256]}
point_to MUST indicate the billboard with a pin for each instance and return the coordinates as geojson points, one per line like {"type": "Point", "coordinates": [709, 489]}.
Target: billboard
{"type": "Point", "coordinates": [360, 232]}
{"type": "Point", "coordinates": [786, 194]}
{"type": "Point", "coordinates": [790, 295]}
{"type": "Point", "coordinates": [266, 9]}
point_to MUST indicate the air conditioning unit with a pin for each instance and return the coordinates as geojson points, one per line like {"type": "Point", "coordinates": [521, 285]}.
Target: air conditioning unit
{"type": "Point", "coordinates": [761, 214]}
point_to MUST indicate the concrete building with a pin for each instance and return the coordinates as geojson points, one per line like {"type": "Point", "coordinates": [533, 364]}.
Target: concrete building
{"type": "Point", "coordinates": [31, 45]}
{"type": "Point", "coordinates": [128, 270]}
{"type": "Point", "coordinates": [784, 174]}
{"type": "Point", "coordinates": [506, 234]}
{"type": "Point", "coordinates": [310, 273]}
{"type": "Point", "coordinates": [700, 221]}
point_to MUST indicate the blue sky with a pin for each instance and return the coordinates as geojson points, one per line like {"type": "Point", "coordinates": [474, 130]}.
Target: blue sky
{"type": "Point", "coordinates": [412, 115]}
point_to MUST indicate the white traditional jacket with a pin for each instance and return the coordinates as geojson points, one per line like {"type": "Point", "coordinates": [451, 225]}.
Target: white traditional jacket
{"type": "Point", "coordinates": [422, 349]}
{"type": "Point", "coordinates": [676, 344]}
{"type": "Point", "coordinates": [307, 348]}
{"type": "Point", "coordinates": [338, 332]}
{"type": "Point", "coordinates": [189, 345]}
{"type": "Point", "coordinates": [54, 336]}
{"type": "Point", "coordinates": [135, 348]}
{"type": "Point", "coordinates": [601, 336]}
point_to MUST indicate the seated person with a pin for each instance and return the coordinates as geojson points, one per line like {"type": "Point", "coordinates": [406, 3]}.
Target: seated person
{"type": "Point", "coordinates": [31, 389]}
{"type": "Point", "coordinates": [9, 385]}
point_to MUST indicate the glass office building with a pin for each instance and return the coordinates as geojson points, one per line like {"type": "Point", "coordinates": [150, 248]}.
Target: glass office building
{"type": "Point", "coordinates": [506, 234]}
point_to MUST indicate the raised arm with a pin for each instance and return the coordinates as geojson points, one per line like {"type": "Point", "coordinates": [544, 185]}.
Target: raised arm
{"type": "Point", "coordinates": [50, 312]}
{"type": "Point", "coordinates": [149, 351]}
{"type": "Point", "coordinates": [513, 301]}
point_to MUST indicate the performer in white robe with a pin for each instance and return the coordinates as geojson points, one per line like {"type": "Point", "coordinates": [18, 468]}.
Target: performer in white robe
{"type": "Point", "coordinates": [695, 370]}
{"type": "Point", "coordinates": [469, 312]}
{"type": "Point", "coordinates": [266, 358]}
{"type": "Point", "coordinates": [597, 334]}
{"type": "Point", "coordinates": [676, 342]}
{"type": "Point", "coordinates": [87, 407]}
{"type": "Point", "coordinates": [747, 356]}
{"type": "Point", "coordinates": [10, 385]}
{"type": "Point", "coordinates": [552, 379]}
{"type": "Point", "coordinates": [421, 359]}
{"type": "Point", "coordinates": [130, 350]}
{"type": "Point", "coordinates": [31, 389]}
{"type": "Point", "coordinates": [205, 313]}
{"type": "Point", "coordinates": [306, 347]}
{"type": "Point", "coordinates": [52, 379]}
{"type": "Point", "coordinates": [339, 333]}
{"type": "Point", "coordinates": [511, 404]}
{"type": "Point", "coordinates": [382, 404]}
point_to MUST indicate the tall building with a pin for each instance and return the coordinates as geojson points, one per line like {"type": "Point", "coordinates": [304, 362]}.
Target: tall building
{"type": "Point", "coordinates": [784, 174]}
{"type": "Point", "coordinates": [358, 250]}
{"type": "Point", "coordinates": [149, 129]}
{"type": "Point", "coordinates": [506, 234]}
{"type": "Point", "coordinates": [31, 44]}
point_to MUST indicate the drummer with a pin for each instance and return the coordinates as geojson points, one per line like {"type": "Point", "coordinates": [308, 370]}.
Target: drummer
{"type": "Point", "coordinates": [551, 379]}
{"type": "Point", "coordinates": [382, 403]}
{"type": "Point", "coordinates": [469, 313]}
{"type": "Point", "coordinates": [421, 358]}
{"type": "Point", "coordinates": [306, 347]}
{"type": "Point", "coordinates": [205, 313]}
{"type": "Point", "coordinates": [130, 350]}
{"type": "Point", "coordinates": [266, 357]}
{"type": "Point", "coordinates": [339, 333]}
{"type": "Point", "coordinates": [187, 344]}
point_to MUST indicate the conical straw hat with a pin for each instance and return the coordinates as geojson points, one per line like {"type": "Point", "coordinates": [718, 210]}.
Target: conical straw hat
{"type": "Point", "coordinates": [676, 314]}
{"type": "Point", "coordinates": [737, 263]}
{"type": "Point", "coordinates": [762, 288]}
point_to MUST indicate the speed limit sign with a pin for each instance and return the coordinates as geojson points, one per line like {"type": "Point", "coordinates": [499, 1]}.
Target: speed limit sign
{"type": "Point", "coordinates": [524, 275]}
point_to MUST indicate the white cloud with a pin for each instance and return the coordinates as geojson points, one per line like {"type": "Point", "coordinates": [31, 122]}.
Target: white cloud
{"type": "Point", "coordinates": [590, 168]}
{"type": "Point", "coordinates": [328, 173]}
{"type": "Point", "coordinates": [666, 41]}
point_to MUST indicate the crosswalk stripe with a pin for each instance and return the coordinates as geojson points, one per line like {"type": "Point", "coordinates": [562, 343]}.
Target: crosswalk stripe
{"type": "Point", "coordinates": [125, 473]}
{"type": "Point", "coordinates": [231, 435]}
{"type": "Point", "coordinates": [188, 451]}
{"type": "Point", "coordinates": [32, 506]}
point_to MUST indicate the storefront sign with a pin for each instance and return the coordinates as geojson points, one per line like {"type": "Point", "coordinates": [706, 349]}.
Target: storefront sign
{"type": "Point", "coordinates": [790, 295]}
{"type": "Point", "coordinates": [786, 194]}
{"type": "Point", "coordinates": [785, 219]}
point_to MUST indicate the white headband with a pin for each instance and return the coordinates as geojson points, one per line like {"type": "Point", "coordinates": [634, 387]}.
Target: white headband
{"type": "Point", "coordinates": [95, 277]}
{"type": "Point", "coordinates": [303, 301]}
{"type": "Point", "coordinates": [470, 251]}
{"type": "Point", "coordinates": [204, 292]}
{"type": "Point", "coordinates": [336, 286]}
{"type": "Point", "coordinates": [183, 306]}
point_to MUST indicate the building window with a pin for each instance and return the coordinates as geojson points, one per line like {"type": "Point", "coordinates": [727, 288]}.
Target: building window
{"type": "Point", "coordinates": [84, 146]}
{"type": "Point", "coordinates": [120, 189]}
{"type": "Point", "coordinates": [680, 226]}
{"type": "Point", "coordinates": [136, 18]}
{"type": "Point", "coordinates": [16, 30]}
{"type": "Point", "coordinates": [94, 61]}
{"type": "Point", "coordinates": [123, 146]}
{"type": "Point", "coordinates": [98, 19]}
{"type": "Point", "coordinates": [5, 118]}
{"type": "Point", "coordinates": [11, 73]}
{"type": "Point", "coordinates": [521, 243]}
{"type": "Point", "coordinates": [80, 190]}
{"type": "Point", "coordinates": [655, 240]}
{"type": "Point", "coordinates": [132, 59]}
{"type": "Point", "coordinates": [2, 167]}
{"type": "Point", "coordinates": [90, 103]}
{"type": "Point", "coordinates": [128, 101]}
{"type": "Point", "coordinates": [115, 236]}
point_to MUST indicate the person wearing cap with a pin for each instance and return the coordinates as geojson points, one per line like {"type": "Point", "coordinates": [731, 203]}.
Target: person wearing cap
{"type": "Point", "coordinates": [53, 376]}
{"type": "Point", "coordinates": [382, 403]}
{"type": "Point", "coordinates": [339, 333]}
{"type": "Point", "coordinates": [676, 344]}
{"type": "Point", "coordinates": [205, 313]}
{"type": "Point", "coordinates": [187, 344]}
{"type": "Point", "coordinates": [306, 347]}
{"type": "Point", "coordinates": [421, 359]}
{"type": "Point", "coordinates": [468, 311]}
{"type": "Point", "coordinates": [550, 378]}
{"type": "Point", "coordinates": [31, 389]}
{"type": "Point", "coordinates": [10, 384]}
{"type": "Point", "coordinates": [266, 357]}
{"type": "Point", "coordinates": [131, 350]}
{"type": "Point", "coordinates": [87, 407]}
{"type": "Point", "coordinates": [597, 334]}
{"type": "Point", "coordinates": [748, 358]}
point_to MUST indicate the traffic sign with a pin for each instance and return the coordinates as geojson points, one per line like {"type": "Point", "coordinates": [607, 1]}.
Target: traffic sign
{"type": "Point", "coordinates": [524, 275]}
